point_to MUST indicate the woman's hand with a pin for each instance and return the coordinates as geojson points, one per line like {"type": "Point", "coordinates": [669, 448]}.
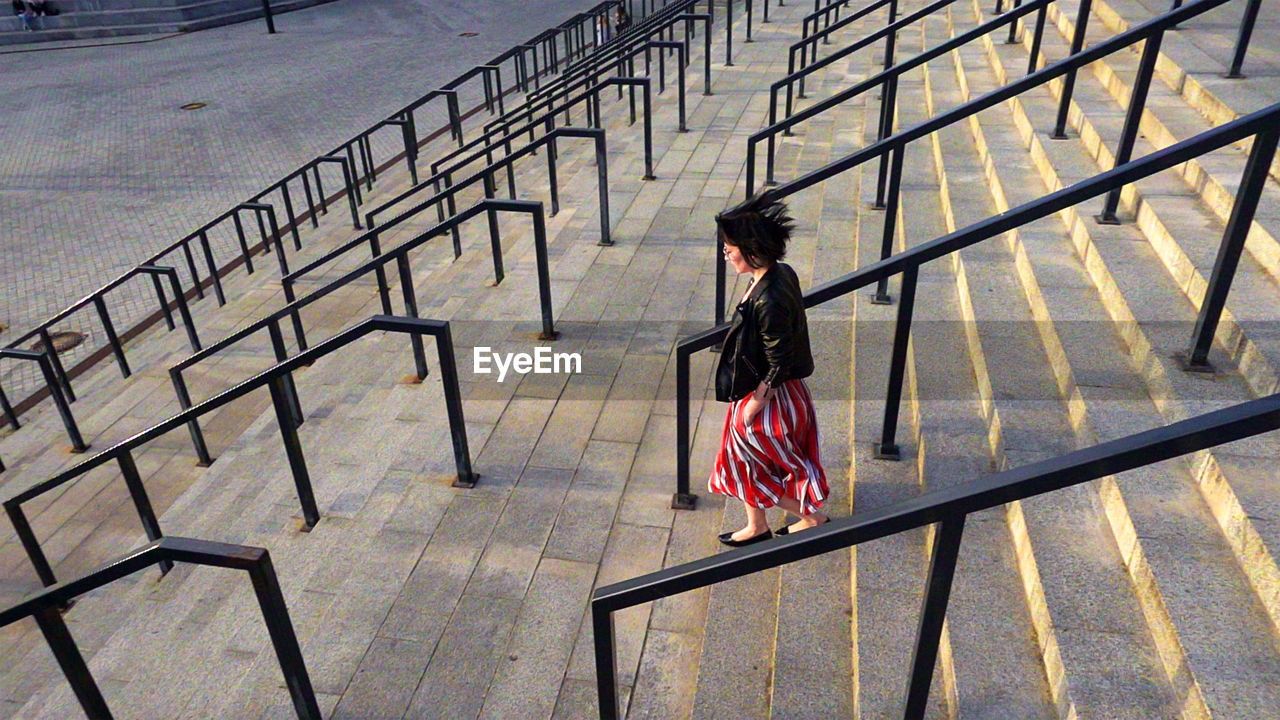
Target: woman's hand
{"type": "Point", "coordinates": [756, 402]}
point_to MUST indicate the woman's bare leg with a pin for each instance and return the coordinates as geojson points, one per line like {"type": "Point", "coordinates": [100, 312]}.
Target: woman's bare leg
{"type": "Point", "coordinates": [757, 523]}
{"type": "Point", "coordinates": [792, 506]}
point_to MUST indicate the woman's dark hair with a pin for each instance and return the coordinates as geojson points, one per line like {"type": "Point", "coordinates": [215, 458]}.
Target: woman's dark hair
{"type": "Point", "coordinates": [759, 228]}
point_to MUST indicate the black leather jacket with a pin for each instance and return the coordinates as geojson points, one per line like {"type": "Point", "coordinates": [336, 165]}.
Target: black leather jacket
{"type": "Point", "coordinates": [769, 337]}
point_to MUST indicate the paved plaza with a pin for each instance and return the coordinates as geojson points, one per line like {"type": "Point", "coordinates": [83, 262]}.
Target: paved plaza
{"type": "Point", "coordinates": [100, 168]}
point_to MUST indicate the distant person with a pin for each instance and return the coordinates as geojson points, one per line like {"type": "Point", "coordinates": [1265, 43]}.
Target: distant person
{"type": "Point", "coordinates": [623, 21]}
{"type": "Point", "coordinates": [25, 14]}
{"type": "Point", "coordinates": [769, 446]}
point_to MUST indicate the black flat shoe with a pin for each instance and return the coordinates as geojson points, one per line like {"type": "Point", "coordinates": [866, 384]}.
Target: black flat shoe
{"type": "Point", "coordinates": [786, 529]}
{"type": "Point", "coordinates": [727, 539]}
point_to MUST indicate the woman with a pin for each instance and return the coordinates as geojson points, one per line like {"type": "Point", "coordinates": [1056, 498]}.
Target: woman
{"type": "Point", "coordinates": [769, 448]}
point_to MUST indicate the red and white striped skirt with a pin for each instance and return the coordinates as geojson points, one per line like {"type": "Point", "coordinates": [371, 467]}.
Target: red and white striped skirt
{"type": "Point", "coordinates": [775, 456]}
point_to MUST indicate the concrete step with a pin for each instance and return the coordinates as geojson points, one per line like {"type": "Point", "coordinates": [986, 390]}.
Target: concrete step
{"type": "Point", "coordinates": [1141, 506]}
{"type": "Point", "coordinates": [1068, 536]}
{"type": "Point", "coordinates": [1177, 395]}
{"type": "Point", "coordinates": [1195, 57]}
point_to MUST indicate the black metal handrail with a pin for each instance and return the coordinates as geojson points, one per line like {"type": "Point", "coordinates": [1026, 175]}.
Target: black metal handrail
{"type": "Point", "coordinates": [503, 143]}
{"type": "Point", "coordinates": [399, 255]}
{"type": "Point", "coordinates": [949, 508]}
{"type": "Point", "coordinates": [1264, 124]}
{"type": "Point", "coordinates": [277, 379]}
{"type": "Point", "coordinates": [44, 607]}
{"type": "Point", "coordinates": [808, 43]}
{"type": "Point", "coordinates": [821, 17]}
{"type": "Point", "coordinates": [447, 197]}
{"type": "Point", "coordinates": [887, 81]}
{"type": "Point", "coordinates": [587, 72]}
{"type": "Point", "coordinates": [890, 149]}
{"type": "Point", "coordinates": [344, 155]}
{"type": "Point", "coordinates": [486, 176]}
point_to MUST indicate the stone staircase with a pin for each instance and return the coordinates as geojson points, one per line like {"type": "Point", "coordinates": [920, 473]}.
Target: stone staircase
{"type": "Point", "coordinates": [87, 19]}
{"type": "Point", "coordinates": [1151, 594]}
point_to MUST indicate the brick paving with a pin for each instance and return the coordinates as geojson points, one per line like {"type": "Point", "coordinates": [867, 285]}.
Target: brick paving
{"type": "Point", "coordinates": [100, 168]}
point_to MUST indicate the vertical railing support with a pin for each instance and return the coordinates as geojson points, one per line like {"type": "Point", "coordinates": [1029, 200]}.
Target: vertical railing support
{"type": "Point", "coordinates": [1037, 38]}
{"type": "Point", "coordinates": [1233, 239]}
{"type": "Point", "coordinates": [683, 499]}
{"type": "Point", "coordinates": [728, 33]}
{"type": "Point", "coordinates": [293, 449]}
{"type": "Point", "coordinates": [27, 537]}
{"type": "Point", "coordinates": [281, 354]}
{"type": "Point", "coordinates": [276, 616]}
{"type": "Point", "coordinates": [1069, 81]}
{"type": "Point", "coordinates": [881, 296]}
{"type": "Point", "coordinates": [1132, 120]}
{"type": "Point", "coordinates": [141, 502]}
{"type": "Point", "coordinates": [193, 425]}
{"type": "Point", "coordinates": [887, 448]}
{"type": "Point", "coordinates": [933, 613]}
{"type": "Point", "coordinates": [543, 262]}
{"type": "Point", "coordinates": [602, 173]}
{"type": "Point", "coordinates": [411, 309]}
{"type": "Point", "coordinates": [72, 662]}
{"type": "Point", "coordinates": [453, 407]}
{"type": "Point", "coordinates": [606, 672]}
{"type": "Point", "coordinates": [113, 340]}
{"type": "Point", "coordinates": [1242, 40]}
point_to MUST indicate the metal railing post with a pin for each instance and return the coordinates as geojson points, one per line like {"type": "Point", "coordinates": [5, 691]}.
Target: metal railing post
{"type": "Point", "coordinates": [72, 662]}
{"type": "Point", "coordinates": [9, 414]}
{"type": "Point", "coordinates": [213, 266]}
{"type": "Point", "coordinates": [606, 673]}
{"type": "Point", "coordinates": [453, 407]}
{"type": "Point", "coordinates": [1132, 119]}
{"type": "Point", "coordinates": [142, 503]}
{"type": "Point", "coordinates": [1233, 239]}
{"type": "Point", "coordinates": [56, 393]}
{"type": "Point", "coordinates": [602, 173]}
{"type": "Point", "coordinates": [293, 449]}
{"type": "Point", "coordinates": [191, 268]}
{"type": "Point", "coordinates": [281, 354]}
{"type": "Point", "coordinates": [728, 33]}
{"type": "Point", "coordinates": [112, 339]}
{"type": "Point", "coordinates": [266, 12]}
{"type": "Point", "coordinates": [933, 613]}
{"type": "Point", "coordinates": [544, 276]}
{"type": "Point", "coordinates": [683, 499]}
{"type": "Point", "coordinates": [193, 425]}
{"type": "Point", "coordinates": [276, 616]}
{"type": "Point", "coordinates": [648, 132]}
{"type": "Point", "coordinates": [27, 537]}
{"type": "Point", "coordinates": [721, 282]}
{"type": "Point", "coordinates": [1013, 26]}
{"type": "Point", "coordinates": [551, 174]}
{"type": "Point", "coordinates": [1069, 81]}
{"type": "Point", "coordinates": [750, 17]}
{"type": "Point", "coordinates": [1242, 40]}
{"type": "Point", "coordinates": [1037, 38]}
{"type": "Point", "coordinates": [495, 238]}
{"type": "Point", "coordinates": [240, 236]}
{"type": "Point", "coordinates": [411, 309]}
{"type": "Point", "coordinates": [887, 448]}
{"type": "Point", "coordinates": [881, 296]}
{"type": "Point", "coordinates": [155, 271]}
{"type": "Point", "coordinates": [888, 103]}
{"type": "Point", "coordinates": [289, 214]}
